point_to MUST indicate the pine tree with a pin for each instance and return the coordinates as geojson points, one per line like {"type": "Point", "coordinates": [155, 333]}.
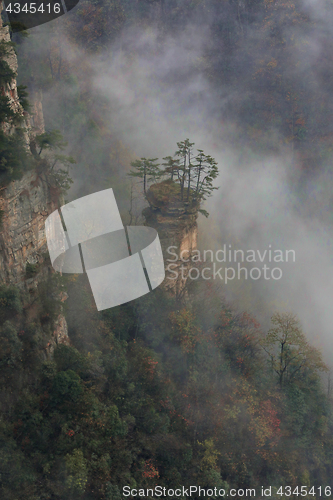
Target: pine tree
{"type": "Point", "coordinates": [184, 154]}
{"type": "Point", "coordinates": [146, 169]}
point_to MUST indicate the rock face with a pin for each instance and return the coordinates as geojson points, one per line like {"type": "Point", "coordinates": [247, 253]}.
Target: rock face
{"type": "Point", "coordinates": [60, 336]}
{"type": "Point", "coordinates": [10, 89]}
{"type": "Point", "coordinates": [24, 206]}
{"type": "Point", "coordinates": [33, 121]}
{"type": "Point", "coordinates": [176, 224]}
{"type": "Point", "coordinates": [25, 203]}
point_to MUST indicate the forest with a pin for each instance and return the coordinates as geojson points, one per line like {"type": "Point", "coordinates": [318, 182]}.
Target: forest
{"type": "Point", "coordinates": [206, 388]}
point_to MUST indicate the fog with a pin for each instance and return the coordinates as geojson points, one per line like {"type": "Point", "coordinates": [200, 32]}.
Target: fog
{"type": "Point", "coordinates": [155, 88]}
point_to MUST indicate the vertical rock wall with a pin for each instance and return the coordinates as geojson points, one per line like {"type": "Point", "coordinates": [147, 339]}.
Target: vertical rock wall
{"type": "Point", "coordinates": [33, 121]}
{"type": "Point", "coordinates": [10, 89]}
{"type": "Point", "coordinates": [177, 229]}
{"type": "Point", "coordinates": [25, 204]}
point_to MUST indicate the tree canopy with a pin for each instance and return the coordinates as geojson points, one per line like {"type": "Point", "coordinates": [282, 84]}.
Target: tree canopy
{"type": "Point", "coordinates": [194, 173]}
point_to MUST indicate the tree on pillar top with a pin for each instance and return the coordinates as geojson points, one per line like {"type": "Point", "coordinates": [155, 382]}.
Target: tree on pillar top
{"type": "Point", "coordinates": [186, 179]}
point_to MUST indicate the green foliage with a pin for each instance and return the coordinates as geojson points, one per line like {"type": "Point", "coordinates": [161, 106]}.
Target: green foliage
{"type": "Point", "coordinates": [162, 392]}
{"type": "Point", "coordinates": [184, 153]}
{"type": "Point", "coordinates": [203, 212]}
{"type": "Point", "coordinates": [112, 492]}
{"type": "Point", "coordinates": [6, 112]}
{"type": "Point", "coordinates": [210, 456]}
{"type": "Point", "coordinates": [51, 140]}
{"type": "Point", "coordinates": [155, 394]}
{"type": "Point", "coordinates": [66, 388]}
{"type": "Point", "coordinates": [23, 97]}
{"type": "Point", "coordinates": [48, 298]}
{"type": "Point", "coordinates": [16, 474]}
{"type": "Point", "coordinates": [76, 466]}
{"type": "Point", "coordinates": [69, 358]}
{"type": "Point", "coordinates": [172, 166]}
{"type": "Point", "coordinates": [14, 157]}
{"type": "Point", "coordinates": [290, 353]}
{"type": "Point", "coordinates": [6, 73]}
{"type": "Point", "coordinates": [206, 172]}
{"type": "Point", "coordinates": [146, 169]}
{"type": "Point", "coordinates": [56, 165]}
{"type": "Point", "coordinates": [31, 270]}
{"type": "Point", "coordinates": [11, 346]}
{"type": "Point", "coordinates": [192, 176]}
{"type": "Point", "coordinates": [10, 302]}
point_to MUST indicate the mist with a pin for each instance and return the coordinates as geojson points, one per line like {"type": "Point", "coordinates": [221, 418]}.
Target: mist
{"type": "Point", "coordinates": [151, 88]}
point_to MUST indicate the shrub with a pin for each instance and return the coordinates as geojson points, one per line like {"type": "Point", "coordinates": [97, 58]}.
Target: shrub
{"type": "Point", "coordinates": [10, 302]}
{"type": "Point", "coordinates": [31, 270]}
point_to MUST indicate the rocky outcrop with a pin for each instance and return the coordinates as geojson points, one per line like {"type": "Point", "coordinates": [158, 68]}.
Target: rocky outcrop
{"type": "Point", "coordinates": [33, 122]}
{"type": "Point", "coordinates": [23, 250]}
{"type": "Point", "coordinates": [24, 203]}
{"type": "Point", "coordinates": [24, 206]}
{"type": "Point", "coordinates": [60, 336]}
{"type": "Point", "coordinates": [176, 224]}
{"type": "Point", "coordinates": [10, 89]}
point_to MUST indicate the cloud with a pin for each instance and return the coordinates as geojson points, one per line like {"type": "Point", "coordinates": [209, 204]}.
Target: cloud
{"type": "Point", "coordinates": [153, 89]}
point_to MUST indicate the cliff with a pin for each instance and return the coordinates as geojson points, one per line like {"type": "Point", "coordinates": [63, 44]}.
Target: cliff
{"type": "Point", "coordinates": [9, 89]}
{"type": "Point", "coordinates": [176, 224]}
{"type": "Point", "coordinates": [34, 121]}
{"type": "Point", "coordinates": [24, 203]}
{"type": "Point", "coordinates": [24, 206]}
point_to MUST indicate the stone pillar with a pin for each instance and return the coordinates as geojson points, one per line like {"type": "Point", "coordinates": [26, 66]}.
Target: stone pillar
{"type": "Point", "coordinates": [176, 224]}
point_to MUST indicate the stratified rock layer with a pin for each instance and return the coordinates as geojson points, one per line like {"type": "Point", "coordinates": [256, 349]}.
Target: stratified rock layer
{"type": "Point", "coordinates": [176, 224]}
{"type": "Point", "coordinates": [24, 206]}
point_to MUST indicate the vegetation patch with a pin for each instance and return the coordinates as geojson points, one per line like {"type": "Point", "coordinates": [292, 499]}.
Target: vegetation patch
{"type": "Point", "coordinates": [163, 193]}
{"type": "Point", "coordinates": [10, 302]}
{"type": "Point", "coordinates": [188, 177]}
{"type": "Point", "coordinates": [31, 270]}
